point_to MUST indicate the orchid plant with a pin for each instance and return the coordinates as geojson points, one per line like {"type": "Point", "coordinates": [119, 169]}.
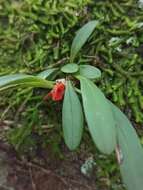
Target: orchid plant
{"type": "Point", "coordinates": [110, 129]}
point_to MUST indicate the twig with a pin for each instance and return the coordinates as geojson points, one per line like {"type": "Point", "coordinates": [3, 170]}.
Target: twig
{"type": "Point", "coordinates": [32, 181]}
{"type": "Point", "coordinates": [58, 63]}
{"type": "Point", "coordinates": [31, 164]}
{"type": "Point", "coordinates": [49, 172]}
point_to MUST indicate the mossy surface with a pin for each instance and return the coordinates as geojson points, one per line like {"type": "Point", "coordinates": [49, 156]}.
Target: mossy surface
{"type": "Point", "coordinates": [37, 33]}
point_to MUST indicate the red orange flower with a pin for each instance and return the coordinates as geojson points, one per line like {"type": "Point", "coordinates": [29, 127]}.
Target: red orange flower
{"type": "Point", "coordinates": [57, 92]}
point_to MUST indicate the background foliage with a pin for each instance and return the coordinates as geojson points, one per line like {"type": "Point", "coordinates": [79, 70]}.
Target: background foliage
{"type": "Point", "coordinates": [37, 33]}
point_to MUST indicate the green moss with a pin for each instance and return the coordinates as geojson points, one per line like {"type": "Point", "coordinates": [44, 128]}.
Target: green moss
{"type": "Point", "coordinates": [38, 33]}
{"type": "Point", "coordinates": [35, 33]}
{"type": "Point", "coordinates": [117, 45]}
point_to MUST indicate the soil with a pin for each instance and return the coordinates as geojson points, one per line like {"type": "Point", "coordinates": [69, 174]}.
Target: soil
{"type": "Point", "coordinates": [42, 173]}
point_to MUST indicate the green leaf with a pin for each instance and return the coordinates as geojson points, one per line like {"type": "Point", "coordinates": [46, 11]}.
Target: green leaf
{"type": "Point", "coordinates": [23, 80]}
{"type": "Point", "coordinates": [72, 118]}
{"type": "Point", "coordinates": [89, 71]}
{"type": "Point", "coordinates": [70, 68]}
{"type": "Point", "coordinates": [81, 37]}
{"type": "Point", "coordinates": [99, 116]}
{"type": "Point", "coordinates": [47, 73]}
{"type": "Point", "coordinates": [132, 152]}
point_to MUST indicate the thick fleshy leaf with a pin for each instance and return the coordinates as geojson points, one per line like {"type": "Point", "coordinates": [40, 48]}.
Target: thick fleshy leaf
{"type": "Point", "coordinates": [89, 71]}
{"type": "Point", "coordinates": [72, 118]}
{"type": "Point", "coordinates": [47, 73]}
{"type": "Point", "coordinates": [81, 37]}
{"type": "Point", "coordinates": [23, 80]}
{"type": "Point", "coordinates": [70, 68]}
{"type": "Point", "coordinates": [132, 152]}
{"type": "Point", "coordinates": [99, 116]}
